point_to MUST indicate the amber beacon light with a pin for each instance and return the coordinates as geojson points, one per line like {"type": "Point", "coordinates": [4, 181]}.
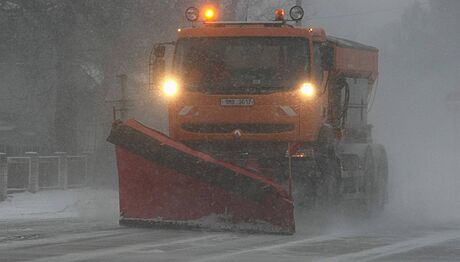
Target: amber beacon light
{"type": "Point", "coordinates": [279, 14]}
{"type": "Point", "coordinates": [209, 13]}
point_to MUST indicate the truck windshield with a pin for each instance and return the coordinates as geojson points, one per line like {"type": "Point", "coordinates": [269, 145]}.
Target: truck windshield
{"type": "Point", "coordinates": [241, 65]}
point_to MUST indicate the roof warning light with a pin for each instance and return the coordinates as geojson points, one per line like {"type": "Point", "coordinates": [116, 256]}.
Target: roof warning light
{"type": "Point", "coordinates": [209, 13]}
{"type": "Point", "coordinates": [279, 14]}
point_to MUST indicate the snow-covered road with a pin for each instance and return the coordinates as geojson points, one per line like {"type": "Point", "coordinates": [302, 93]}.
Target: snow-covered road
{"type": "Point", "coordinates": [86, 233]}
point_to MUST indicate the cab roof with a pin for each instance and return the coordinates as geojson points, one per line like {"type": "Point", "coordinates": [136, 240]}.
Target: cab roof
{"type": "Point", "coordinates": [341, 42]}
{"type": "Point", "coordinates": [255, 29]}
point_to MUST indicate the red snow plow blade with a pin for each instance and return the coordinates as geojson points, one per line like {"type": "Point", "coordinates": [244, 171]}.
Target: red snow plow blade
{"type": "Point", "coordinates": [163, 182]}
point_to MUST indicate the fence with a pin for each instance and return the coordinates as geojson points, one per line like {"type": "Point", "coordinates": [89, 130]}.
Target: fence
{"type": "Point", "coordinates": [33, 172]}
{"type": "Point", "coordinates": [77, 169]}
{"type": "Point", "coordinates": [14, 150]}
{"type": "Point", "coordinates": [48, 172]}
{"type": "Point", "coordinates": [18, 173]}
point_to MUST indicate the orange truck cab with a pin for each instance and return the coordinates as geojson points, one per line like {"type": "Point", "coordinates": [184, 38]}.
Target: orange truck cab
{"type": "Point", "coordinates": [246, 83]}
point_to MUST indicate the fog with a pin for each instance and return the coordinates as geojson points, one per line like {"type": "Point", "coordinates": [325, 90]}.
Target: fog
{"type": "Point", "coordinates": [83, 53]}
{"type": "Point", "coordinates": [419, 69]}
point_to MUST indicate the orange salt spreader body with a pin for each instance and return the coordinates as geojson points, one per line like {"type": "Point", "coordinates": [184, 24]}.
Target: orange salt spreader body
{"type": "Point", "coordinates": [263, 116]}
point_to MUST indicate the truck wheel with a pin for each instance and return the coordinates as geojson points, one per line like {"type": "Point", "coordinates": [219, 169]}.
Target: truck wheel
{"type": "Point", "coordinates": [328, 165]}
{"type": "Point", "coordinates": [376, 171]}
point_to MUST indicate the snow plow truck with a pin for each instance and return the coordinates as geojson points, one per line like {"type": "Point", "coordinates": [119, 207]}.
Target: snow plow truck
{"type": "Point", "coordinates": [263, 117]}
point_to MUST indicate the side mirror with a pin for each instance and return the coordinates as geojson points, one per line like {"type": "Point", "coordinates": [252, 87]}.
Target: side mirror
{"type": "Point", "coordinates": [157, 72]}
{"type": "Point", "coordinates": [159, 51]}
{"type": "Point", "coordinates": [327, 57]}
{"type": "Point", "coordinates": [157, 66]}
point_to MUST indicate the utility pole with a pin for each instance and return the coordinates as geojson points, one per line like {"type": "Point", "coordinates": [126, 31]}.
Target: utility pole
{"type": "Point", "coordinates": [453, 105]}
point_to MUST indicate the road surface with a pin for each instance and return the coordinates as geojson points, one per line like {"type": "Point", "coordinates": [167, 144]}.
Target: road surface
{"type": "Point", "coordinates": [101, 239]}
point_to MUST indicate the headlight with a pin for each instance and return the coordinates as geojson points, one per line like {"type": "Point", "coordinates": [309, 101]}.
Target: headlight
{"type": "Point", "coordinates": [170, 87]}
{"type": "Point", "coordinates": [308, 89]}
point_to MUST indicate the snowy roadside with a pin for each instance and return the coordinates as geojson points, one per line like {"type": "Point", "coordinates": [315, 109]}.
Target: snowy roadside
{"type": "Point", "coordinates": [72, 203]}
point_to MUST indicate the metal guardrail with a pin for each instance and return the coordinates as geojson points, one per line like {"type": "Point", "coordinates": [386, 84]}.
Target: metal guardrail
{"type": "Point", "coordinates": [33, 172]}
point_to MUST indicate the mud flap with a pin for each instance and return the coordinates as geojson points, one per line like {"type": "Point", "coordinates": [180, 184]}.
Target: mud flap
{"type": "Point", "coordinates": [163, 182]}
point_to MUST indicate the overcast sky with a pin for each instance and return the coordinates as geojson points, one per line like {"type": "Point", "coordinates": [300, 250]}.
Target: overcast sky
{"type": "Point", "coordinates": [355, 19]}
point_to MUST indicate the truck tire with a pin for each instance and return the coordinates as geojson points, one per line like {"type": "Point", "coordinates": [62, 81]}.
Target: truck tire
{"type": "Point", "coordinates": [376, 170]}
{"type": "Point", "coordinates": [328, 165]}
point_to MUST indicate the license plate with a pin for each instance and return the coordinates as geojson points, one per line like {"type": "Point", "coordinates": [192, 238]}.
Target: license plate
{"type": "Point", "coordinates": [237, 102]}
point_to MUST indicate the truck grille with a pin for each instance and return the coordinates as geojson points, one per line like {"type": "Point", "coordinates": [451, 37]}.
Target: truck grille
{"type": "Point", "coordinates": [245, 128]}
